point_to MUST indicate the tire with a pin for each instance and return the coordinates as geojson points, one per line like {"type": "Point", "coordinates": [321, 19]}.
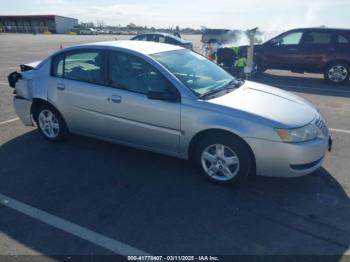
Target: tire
{"type": "Point", "coordinates": [337, 73]}
{"type": "Point", "coordinates": [260, 69]}
{"type": "Point", "coordinates": [50, 123]}
{"type": "Point", "coordinates": [236, 158]}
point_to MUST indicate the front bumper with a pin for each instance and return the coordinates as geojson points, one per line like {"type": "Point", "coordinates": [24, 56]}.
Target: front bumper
{"type": "Point", "coordinates": [279, 159]}
{"type": "Point", "coordinates": [23, 110]}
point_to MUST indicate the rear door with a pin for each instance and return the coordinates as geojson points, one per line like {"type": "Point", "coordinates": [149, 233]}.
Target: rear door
{"type": "Point", "coordinates": [283, 52]}
{"type": "Point", "coordinates": [318, 46]}
{"type": "Point", "coordinates": [77, 90]}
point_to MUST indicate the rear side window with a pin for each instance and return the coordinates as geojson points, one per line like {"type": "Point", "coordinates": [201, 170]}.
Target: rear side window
{"type": "Point", "coordinates": [318, 38]}
{"type": "Point", "coordinates": [57, 65]}
{"type": "Point", "coordinates": [161, 39]}
{"type": "Point", "coordinates": [141, 38]}
{"type": "Point", "coordinates": [82, 66]}
{"type": "Point", "coordinates": [342, 39]}
{"type": "Point", "coordinates": [152, 38]}
{"type": "Point", "coordinates": [171, 41]}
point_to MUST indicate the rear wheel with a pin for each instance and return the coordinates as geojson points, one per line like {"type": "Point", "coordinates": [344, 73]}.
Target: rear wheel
{"type": "Point", "coordinates": [337, 73]}
{"type": "Point", "coordinates": [260, 69]}
{"type": "Point", "coordinates": [50, 123]}
{"type": "Point", "coordinates": [223, 159]}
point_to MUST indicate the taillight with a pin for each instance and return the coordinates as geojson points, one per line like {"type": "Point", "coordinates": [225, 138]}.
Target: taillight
{"type": "Point", "coordinates": [13, 78]}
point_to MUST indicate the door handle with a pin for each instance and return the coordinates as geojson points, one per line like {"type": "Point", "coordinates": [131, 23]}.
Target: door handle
{"type": "Point", "coordinates": [292, 49]}
{"type": "Point", "coordinates": [115, 99]}
{"type": "Point", "coordinates": [61, 86]}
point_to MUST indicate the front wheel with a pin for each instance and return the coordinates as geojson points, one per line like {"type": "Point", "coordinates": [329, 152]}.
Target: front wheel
{"type": "Point", "coordinates": [51, 124]}
{"type": "Point", "coordinates": [223, 159]}
{"type": "Point", "coordinates": [337, 73]}
{"type": "Point", "coordinates": [260, 68]}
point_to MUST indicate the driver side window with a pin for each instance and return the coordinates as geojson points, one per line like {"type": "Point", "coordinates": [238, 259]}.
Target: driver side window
{"type": "Point", "coordinates": [290, 39]}
{"type": "Point", "coordinates": [136, 75]}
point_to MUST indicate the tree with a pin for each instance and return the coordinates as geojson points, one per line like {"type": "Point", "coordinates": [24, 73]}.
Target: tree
{"type": "Point", "coordinates": [131, 26]}
{"type": "Point", "coordinates": [100, 24]}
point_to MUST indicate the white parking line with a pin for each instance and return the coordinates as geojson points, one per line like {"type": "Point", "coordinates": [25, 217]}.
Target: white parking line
{"type": "Point", "coordinates": [340, 130]}
{"type": "Point", "coordinates": [71, 228]}
{"type": "Point", "coordinates": [5, 84]}
{"type": "Point", "coordinates": [9, 121]}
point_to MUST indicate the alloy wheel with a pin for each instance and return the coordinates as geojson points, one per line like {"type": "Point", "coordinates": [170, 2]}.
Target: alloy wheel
{"type": "Point", "coordinates": [337, 73]}
{"type": "Point", "coordinates": [49, 124]}
{"type": "Point", "coordinates": [220, 162]}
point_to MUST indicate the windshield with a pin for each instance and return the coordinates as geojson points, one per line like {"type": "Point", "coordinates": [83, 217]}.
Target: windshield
{"type": "Point", "coordinates": [194, 71]}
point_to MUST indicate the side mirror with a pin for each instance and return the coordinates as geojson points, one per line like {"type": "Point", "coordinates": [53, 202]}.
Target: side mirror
{"type": "Point", "coordinates": [276, 42]}
{"type": "Point", "coordinates": [162, 95]}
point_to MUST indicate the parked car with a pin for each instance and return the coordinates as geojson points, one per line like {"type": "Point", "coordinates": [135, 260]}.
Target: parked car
{"type": "Point", "coordinates": [313, 50]}
{"type": "Point", "coordinates": [88, 31]}
{"type": "Point", "coordinates": [220, 36]}
{"type": "Point", "coordinates": [170, 100]}
{"type": "Point", "coordinates": [164, 38]}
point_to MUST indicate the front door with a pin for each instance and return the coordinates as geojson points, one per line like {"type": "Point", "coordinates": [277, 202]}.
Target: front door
{"type": "Point", "coordinates": [284, 51]}
{"type": "Point", "coordinates": [133, 117]}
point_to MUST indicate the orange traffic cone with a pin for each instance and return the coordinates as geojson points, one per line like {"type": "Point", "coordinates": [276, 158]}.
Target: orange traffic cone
{"type": "Point", "coordinates": [61, 46]}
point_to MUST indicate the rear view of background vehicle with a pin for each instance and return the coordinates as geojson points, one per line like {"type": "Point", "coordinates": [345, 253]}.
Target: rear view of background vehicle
{"type": "Point", "coordinates": [164, 38]}
{"type": "Point", "coordinates": [87, 31]}
{"type": "Point", "coordinates": [219, 36]}
{"type": "Point", "coordinates": [312, 50]}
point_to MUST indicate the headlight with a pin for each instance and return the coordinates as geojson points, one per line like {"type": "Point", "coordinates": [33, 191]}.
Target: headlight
{"type": "Point", "coordinates": [301, 134]}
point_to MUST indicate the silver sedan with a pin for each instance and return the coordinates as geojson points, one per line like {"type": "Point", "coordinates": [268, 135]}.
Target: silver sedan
{"type": "Point", "coordinates": [170, 100]}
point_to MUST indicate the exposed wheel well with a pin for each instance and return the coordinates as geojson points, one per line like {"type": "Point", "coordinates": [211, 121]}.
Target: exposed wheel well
{"type": "Point", "coordinates": [337, 61]}
{"type": "Point", "coordinates": [37, 102]}
{"type": "Point", "coordinates": [216, 132]}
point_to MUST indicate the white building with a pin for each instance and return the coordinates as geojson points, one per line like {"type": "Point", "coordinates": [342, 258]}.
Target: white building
{"type": "Point", "coordinates": [37, 23]}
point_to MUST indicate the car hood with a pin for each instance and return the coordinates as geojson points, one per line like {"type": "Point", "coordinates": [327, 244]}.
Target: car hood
{"type": "Point", "coordinates": [284, 109]}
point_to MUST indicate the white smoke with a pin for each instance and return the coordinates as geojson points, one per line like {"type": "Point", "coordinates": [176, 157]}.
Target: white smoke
{"type": "Point", "coordinates": [311, 17]}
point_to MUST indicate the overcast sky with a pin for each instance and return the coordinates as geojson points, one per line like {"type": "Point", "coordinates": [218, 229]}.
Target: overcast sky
{"type": "Point", "coordinates": [242, 14]}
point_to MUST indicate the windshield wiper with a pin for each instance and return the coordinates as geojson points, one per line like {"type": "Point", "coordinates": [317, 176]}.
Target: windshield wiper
{"type": "Point", "coordinates": [233, 84]}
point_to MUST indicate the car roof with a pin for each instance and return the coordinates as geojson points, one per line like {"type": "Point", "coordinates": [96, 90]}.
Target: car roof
{"type": "Point", "coordinates": [155, 33]}
{"type": "Point", "coordinates": [320, 28]}
{"type": "Point", "coordinates": [165, 34]}
{"type": "Point", "coordinates": [143, 47]}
